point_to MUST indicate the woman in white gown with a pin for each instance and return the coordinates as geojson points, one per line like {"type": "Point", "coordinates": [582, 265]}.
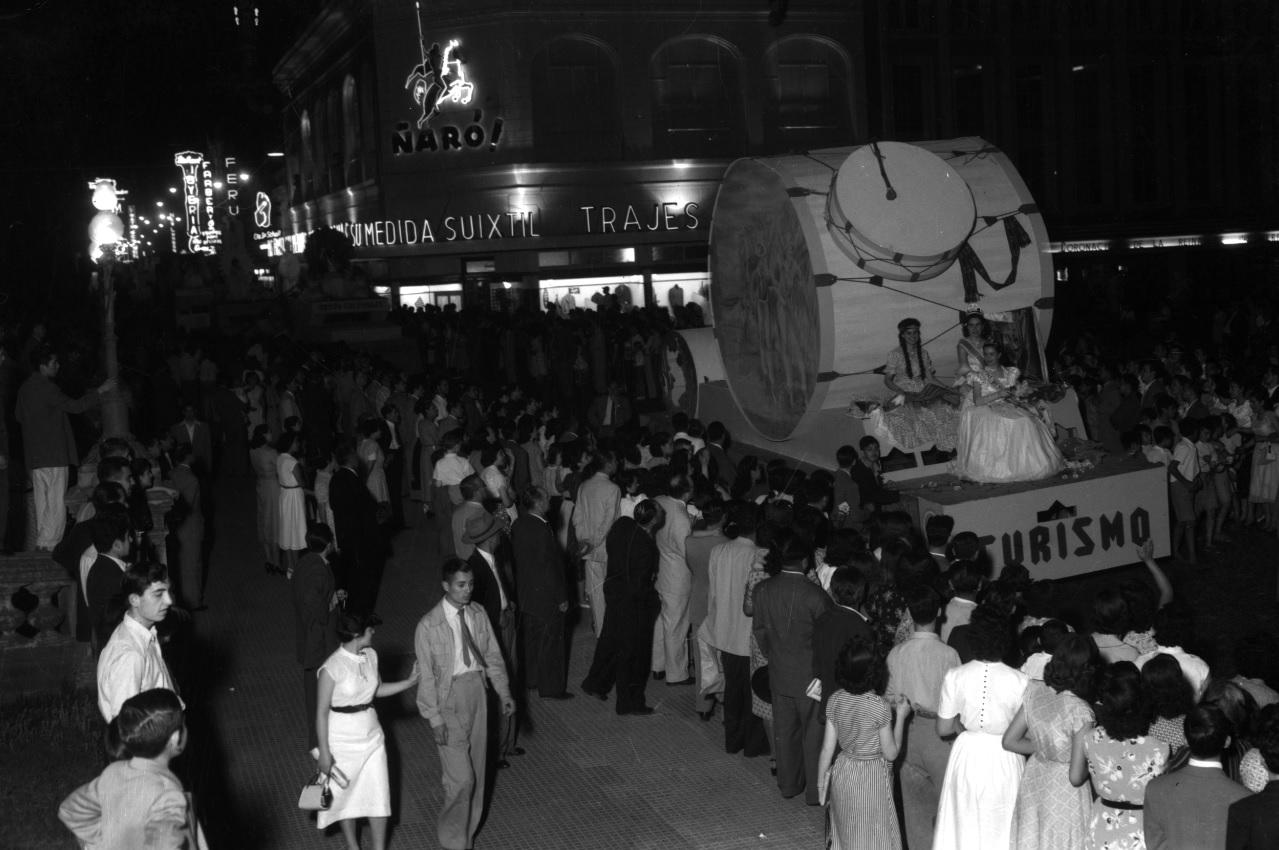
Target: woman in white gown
{"type": "Point", "coordinates": [1000, 439]}
{"type": "Point", "coordinates": [350, 736]}
{"type": "Point", "coordinates": [979, 700]}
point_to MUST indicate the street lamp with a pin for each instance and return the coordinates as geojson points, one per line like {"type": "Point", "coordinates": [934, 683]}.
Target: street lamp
{"type": "Point", "coordinates": [106, 230]}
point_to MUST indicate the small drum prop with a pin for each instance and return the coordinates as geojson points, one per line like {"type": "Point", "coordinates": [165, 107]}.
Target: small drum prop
{"type": "Point", "coordinates": [816, 257]}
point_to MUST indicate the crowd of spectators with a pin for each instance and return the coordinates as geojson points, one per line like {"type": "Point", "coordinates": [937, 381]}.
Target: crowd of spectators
{"type": "Point", "coordinates": [884, 669]}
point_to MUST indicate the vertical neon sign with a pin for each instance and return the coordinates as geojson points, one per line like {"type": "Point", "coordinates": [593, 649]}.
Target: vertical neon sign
{"type": "Point", "coordinates": [232, 187]}
{"type": "Point", "coordinates": [189, 162]}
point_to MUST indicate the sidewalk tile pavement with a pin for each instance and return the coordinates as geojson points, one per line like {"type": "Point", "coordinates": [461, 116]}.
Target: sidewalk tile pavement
{"type": "Point", "coordinates": [589, 778]}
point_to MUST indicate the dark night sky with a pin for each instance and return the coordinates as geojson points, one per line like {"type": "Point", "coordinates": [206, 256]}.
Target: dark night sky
{"type": "Point", "coordinates": [114, 89]}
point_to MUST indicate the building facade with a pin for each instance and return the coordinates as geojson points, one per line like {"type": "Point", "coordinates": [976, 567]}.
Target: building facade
{"type": "Point", "coordinates": [484, 152]}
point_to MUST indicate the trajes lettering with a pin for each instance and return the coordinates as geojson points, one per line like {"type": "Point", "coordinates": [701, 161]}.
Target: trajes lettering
{"type": "Point", "coordinates": [665, 215]}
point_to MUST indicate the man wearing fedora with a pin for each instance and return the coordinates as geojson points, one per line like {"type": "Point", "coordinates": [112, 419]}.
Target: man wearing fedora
{"type": "Point", "coordinates": [495, 593]}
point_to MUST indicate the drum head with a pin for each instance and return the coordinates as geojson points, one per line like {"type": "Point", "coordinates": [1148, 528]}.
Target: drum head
{"type": "Point", "coordinates": [763, 297]}
{"type": "Point", "coordinates": [901, 206]}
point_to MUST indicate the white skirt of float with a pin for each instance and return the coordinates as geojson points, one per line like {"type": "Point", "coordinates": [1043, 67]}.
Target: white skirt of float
{"type": "Point", "coordinates": [813, 265]}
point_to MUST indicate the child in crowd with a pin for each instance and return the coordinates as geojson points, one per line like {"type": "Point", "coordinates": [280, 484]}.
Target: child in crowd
{"type": "Point", "coordinates": [137, 801]}
{"type": "Point", "coordinates": [967, 578]}
{"type": "Point", "coordinates": [937, 530]}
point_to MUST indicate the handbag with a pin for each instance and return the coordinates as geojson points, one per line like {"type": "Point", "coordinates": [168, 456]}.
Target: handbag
{"type": "Point", "coordinates": [316, 795]}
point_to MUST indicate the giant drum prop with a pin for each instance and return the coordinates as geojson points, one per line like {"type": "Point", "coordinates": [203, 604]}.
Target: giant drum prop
{"type": "Point", "coordinates": [816, 257]}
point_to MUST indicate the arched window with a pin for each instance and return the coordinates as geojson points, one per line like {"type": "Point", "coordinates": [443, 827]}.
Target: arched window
{"type": "Point", "coordinates": [351, 132]}
{"type": "Point", "coordinates": [697, 99]}
{"type": "Point", "coordinates": [808, 106]}
{"type": "Point", "coordinates": [575, 103]}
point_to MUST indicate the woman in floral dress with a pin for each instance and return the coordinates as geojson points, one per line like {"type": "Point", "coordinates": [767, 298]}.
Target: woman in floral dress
{"type": "Point", "coordinates": [1121, 758]}
{"type": "Point", "coordinates": [1051, 813]}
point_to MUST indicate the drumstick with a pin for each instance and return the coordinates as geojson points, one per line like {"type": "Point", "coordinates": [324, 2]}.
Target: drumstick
{"type": "Point", "coordinates": [891, 194]}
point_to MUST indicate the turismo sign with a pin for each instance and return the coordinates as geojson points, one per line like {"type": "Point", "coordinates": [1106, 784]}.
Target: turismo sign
{"type": "Point", "coordinates": [1061, 527]}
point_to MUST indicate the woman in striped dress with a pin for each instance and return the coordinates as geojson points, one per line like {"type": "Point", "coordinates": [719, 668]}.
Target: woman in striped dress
{"type": "Point", "coordinates": [859, 785]}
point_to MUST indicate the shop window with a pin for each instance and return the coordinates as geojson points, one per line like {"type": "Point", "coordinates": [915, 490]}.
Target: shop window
{"type": "Point", "coordinates": [696, 98]}
{"type": "Point", "coordinates": [575, 103]}
{"type": "Point", "coordinates": [685, 295]}
{"type": "Point", "coordinates": [588, 293]}
{"type": "Point", "coordinates": [808, 87]}
{"type": "Point", "coordinates": [435, 294]}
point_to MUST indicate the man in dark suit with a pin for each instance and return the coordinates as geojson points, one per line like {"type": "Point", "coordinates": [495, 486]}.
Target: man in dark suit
{"type": "Point", "coordinates": [835, 628]}
{"type": "Point", "coordinates": [393, 447]}
{"type": "Point", "coordinates": [1186, 809]}
{"type": "Point", "coordinates": [194, 433]}
{"type": "Point", "coordinates": [717, 439]}
{"type": "Point", "coordinates": [359, 537]}
{"type": "Point", "coordinates": [539, 564]}
{"type": "Point", "coordinates": [786, 609]}
{"type": "Point", "coordinates": [624, 650]}
{"type": "Point", "coordinates": [102, 582]}
{"type": "Point", "coordinates": [1252, 823]}
{"type": "Point", "coordinates": [315, 602]}
{"type": "Point", "coordinates": [188, 527]}
{"type": "Point", "coordinates": [49, 443]}
{"type": "Point", "coordinates": [609, 410]}
{"type": "Point", "coordinates": [495, 592]}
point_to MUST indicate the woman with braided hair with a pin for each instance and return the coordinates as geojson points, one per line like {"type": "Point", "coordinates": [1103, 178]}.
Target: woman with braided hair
{"type": "Point", "coordinates": [928, 413]}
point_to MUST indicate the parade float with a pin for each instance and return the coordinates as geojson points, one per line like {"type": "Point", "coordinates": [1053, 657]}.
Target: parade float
{"type": "Point", "coordinates": [815, 258]}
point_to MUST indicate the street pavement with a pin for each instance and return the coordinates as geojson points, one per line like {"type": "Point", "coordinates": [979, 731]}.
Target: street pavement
{"type": "Point", "coordinates": [589, 779]}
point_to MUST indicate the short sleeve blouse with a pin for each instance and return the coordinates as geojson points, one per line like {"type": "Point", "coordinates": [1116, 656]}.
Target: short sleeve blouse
{"type": "Point", "coordinates": [355, 676]}
{"type": "Point", "coordinates": [984, 695]}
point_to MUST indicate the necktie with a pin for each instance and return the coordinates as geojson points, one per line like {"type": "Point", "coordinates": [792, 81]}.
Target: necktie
{"type": "Point", "coordinates": [470, 652]}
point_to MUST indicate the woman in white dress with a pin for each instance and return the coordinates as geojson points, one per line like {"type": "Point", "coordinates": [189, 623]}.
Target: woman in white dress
{"type": "Point", "coordinates": [1000, 439]}
{"type": "Point", "coordinates": [262, 456]}
{"type": "Point", "coordinates": [351, 744]}
{"type": "Point", "coordinates": [979, 700]}
{"type": "Point", "coordinates": [292, 518]}
{"type": "Point", "coordinates": [373, 461]}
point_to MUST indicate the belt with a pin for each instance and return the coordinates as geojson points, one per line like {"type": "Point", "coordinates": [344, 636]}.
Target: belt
{"type": "Point", "coordinates": [1119, 804]}
{"type": "Point", "coordinates": [290, 486]}
{"type": "Point", "coordinates": [924, 714]}
{"type": "Point", "coordinates": [351, 709]}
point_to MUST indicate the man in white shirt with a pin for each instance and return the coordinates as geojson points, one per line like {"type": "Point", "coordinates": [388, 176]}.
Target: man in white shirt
{"type": "Point", "coordinates": [446, 478]}
{"type": "Point", "coordinates": [916, 669]}
{"type": "Point", "coordinates": [598, 503]}
{"type": "Point", "coordinates": [131, 661]}
{"type": "Point", "coordinates": [457, 654]}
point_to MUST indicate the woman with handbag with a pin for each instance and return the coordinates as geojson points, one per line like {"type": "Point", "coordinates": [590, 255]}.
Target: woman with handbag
{"type": "Point", "coordinates": [352, 748]}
